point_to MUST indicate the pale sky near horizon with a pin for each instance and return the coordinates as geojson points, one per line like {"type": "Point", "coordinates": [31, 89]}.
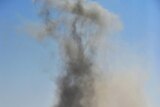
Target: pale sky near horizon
{"type": "Point", "coordinates": [23, 60]}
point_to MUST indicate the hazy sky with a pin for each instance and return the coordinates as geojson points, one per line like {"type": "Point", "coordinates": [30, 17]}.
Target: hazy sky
{"type": "Point", "coordinates": [24, 81]}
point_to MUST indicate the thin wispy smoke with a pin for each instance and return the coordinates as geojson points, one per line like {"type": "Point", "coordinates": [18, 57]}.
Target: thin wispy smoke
{"type": "Point", "coordinates": [80, 27]}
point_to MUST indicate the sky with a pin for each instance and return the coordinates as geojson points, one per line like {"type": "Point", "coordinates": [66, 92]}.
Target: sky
{"type": "Point", "coordinates": [26, 66]}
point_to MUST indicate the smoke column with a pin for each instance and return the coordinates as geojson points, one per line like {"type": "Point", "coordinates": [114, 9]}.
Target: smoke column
{"type": "Point", "coordinates": [80, 27]}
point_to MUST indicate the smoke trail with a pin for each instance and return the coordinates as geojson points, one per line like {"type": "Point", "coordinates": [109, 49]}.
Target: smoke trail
{"type": "Point", "coordinates": [80, 27]}
{"type": "Point", "coordinates": [80, 24]}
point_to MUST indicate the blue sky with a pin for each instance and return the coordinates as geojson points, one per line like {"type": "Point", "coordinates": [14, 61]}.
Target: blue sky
{"type": "Point", "coordinates": [23, 61]}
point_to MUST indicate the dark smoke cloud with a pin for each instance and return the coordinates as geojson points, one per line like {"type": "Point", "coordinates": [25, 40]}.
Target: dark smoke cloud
{"type": "Point", "coordinates": [79, 27]}
{"type": "Point", "coordinates": [76, 26]}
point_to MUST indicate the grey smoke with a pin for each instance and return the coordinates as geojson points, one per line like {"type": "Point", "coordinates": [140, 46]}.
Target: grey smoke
{"type": "Point", "coordinates": [79, 27]}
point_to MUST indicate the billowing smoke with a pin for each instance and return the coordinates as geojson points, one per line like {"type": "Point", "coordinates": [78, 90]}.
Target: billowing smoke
{"type": "Point", "coordinates": [80, 27]}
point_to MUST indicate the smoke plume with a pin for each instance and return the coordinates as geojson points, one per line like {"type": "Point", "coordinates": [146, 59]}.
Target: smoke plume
{"type": "Point", "coordinates": [81, 28]}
